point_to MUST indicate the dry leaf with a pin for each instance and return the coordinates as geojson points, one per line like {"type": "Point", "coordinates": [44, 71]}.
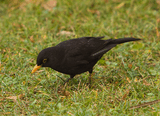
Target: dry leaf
{"type": "Point", "coordinates": [24, 49]}
{"type": "Point", "coordinates": [158, 2]}
{"type": "Point", "coordinates": [14, 98]}
{"type": "Point", "coordinates": [44, 37]}
{"type": "Point", "coordinates": [20, 96]}
{"type": "Point", "coordinates": [62, 97]}
{"type": "Point", "coordinates": [128, 80]}
{"type": "Point", "coordinates": [49, 5]}
{"type": "Point", "coordinates": [42, 92]}
{"type": "Point", "coordinates": [120, 5]}
{"type": "Point", "coordinates": [68, 33]}
{"type": "Point", "coordinates": [39, 71]}
{"type": "Point", "coordinates": [31, 39]}
{"type": "Point", "coordinates": [157, 32]}
{"type": "Point", "coordinates": [24, 82]}
{"type": "Point", "coordinates": [0, 66]}
{"type": "Point", "coordinates": [145, 83]}
{"type": "Point", "coordinates": [116, 82]}
{"type": "Point", "coordinates": [70, 113]}
{"type": "Point", "coordinates": [136, 68]}
{"type": "Point", "coordinates": [105, 1]}
{"type": "Point", "coordinates": [66, 93]}
{"type": "Point", "coordinates": [93, 11]}
{"type": "Point", "coordinates": [130, 66]}
{"type": "Point", "coordinates": [16, 25]}
{"type": "Point", "coordinates": [147, 51]}
{"type": "Point", "coordinates": [125, 95]}
{"type": "Point", "coordinates": [135, 80]}
{"type": "Point", "coordinates": [7, 113]}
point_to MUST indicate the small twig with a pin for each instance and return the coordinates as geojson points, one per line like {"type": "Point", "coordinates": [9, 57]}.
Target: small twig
{"type": "Point", "coordinates": [145, 104]}
{"type": "Point", "coordinates": [61, 78]}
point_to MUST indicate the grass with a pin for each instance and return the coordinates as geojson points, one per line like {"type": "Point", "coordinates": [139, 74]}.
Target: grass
{"type": "Point", "coordinates": [126, 76]}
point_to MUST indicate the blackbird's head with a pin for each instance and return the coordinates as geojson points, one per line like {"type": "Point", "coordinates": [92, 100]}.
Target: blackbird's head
{"type": "Point", "coordinates": [43, 59]}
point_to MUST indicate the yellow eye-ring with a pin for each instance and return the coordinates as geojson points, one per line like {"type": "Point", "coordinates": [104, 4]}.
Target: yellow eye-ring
{"type": "Point", "coordinates": [45, 60]}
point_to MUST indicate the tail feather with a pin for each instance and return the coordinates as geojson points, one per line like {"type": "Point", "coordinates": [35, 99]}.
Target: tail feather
{"type": "Point", "coordinates": [123, 40]}
{"type": "Point", "coordinates": [110, 43]}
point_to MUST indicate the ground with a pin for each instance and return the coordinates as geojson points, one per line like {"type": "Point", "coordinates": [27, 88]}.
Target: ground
{"type": "Point", "coordinates": [126, 76]}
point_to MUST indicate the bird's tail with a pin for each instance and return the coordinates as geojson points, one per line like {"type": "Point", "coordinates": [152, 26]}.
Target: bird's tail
{"type": "Point", "coordinates": [123, 40]}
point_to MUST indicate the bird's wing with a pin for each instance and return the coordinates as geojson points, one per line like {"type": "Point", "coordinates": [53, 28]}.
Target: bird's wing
{"type": "Point", "coordinates": [104, 50]}
{"type": "Point", "coordinates": [82, 50]}
{"type": "Point", "coordinates": [85, 46]}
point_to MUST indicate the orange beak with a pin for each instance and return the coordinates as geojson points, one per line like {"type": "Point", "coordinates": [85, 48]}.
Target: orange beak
{"type": "Point", "coordinates": [35, 68]}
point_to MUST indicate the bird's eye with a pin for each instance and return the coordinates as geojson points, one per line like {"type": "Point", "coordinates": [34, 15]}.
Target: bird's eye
{"type": "Point", "coordinates": [45, 60]}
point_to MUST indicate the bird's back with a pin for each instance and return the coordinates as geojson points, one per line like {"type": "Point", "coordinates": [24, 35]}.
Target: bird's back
{"type": "Point", "coordinates": [83, 46]}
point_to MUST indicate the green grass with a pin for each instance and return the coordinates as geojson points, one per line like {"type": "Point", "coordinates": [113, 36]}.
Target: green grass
{"type": "Point", "coordinates": [126, 76]}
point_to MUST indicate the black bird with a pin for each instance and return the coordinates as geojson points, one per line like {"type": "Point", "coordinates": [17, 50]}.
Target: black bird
{"type": "Point", "coordinates": [76, 56]}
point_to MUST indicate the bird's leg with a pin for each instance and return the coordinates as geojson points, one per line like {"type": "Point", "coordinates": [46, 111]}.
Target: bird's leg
{"type": "Point", "coordinates": [90, 77]}
{"type": "Point", "coordinates": [71, 77]}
